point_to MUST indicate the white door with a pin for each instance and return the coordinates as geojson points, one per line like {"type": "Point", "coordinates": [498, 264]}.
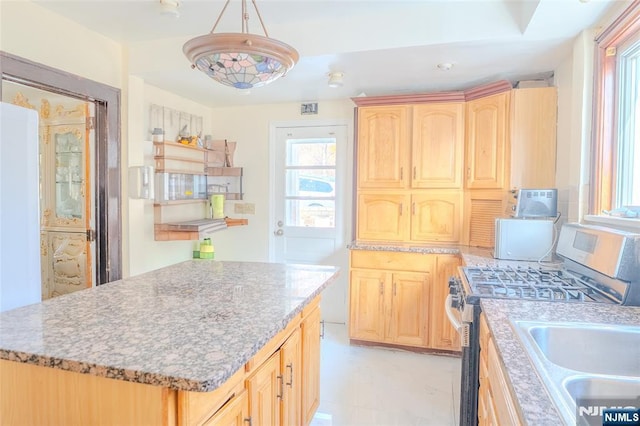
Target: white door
{"type": "Point", "coordinates": [308, 176]}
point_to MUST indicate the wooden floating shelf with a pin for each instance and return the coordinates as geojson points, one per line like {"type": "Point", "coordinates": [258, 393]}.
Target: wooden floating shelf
{"type": "Point", "coordinates": [193, 229]}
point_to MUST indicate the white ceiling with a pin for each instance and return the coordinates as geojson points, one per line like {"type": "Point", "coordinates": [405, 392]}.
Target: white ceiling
{"type": "Point", "coordinates": [382, 46]}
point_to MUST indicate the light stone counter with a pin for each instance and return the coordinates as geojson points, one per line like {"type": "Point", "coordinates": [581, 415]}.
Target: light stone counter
{"type": "Point", "coordinates": [188, 326]}
{"type": "Point", "coordinates": [471, 256]}
{"type": "Point", "coordinates": [527, 389]}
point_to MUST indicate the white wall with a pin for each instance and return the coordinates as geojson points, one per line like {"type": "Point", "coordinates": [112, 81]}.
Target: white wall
{"type": "Point", "coordinates": [249, 126]}
{"type": "Point", "coordinates": [32, 32]}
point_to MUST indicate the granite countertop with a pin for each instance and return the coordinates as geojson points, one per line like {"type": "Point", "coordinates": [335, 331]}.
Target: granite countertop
{"type": "Point", "coordinates": [188, 326]}
{"type": "Point", "coordinates": [471, 256]}
{"type": "Point", "coordinates": [527, 389]}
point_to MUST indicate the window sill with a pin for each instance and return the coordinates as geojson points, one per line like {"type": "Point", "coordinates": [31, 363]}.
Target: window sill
{"type": "Point", "coordinates": [623, 223]}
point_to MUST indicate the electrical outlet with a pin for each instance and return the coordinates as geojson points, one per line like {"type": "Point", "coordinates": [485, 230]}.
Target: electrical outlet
{"type": "Point", "coordinates": [238, 208]}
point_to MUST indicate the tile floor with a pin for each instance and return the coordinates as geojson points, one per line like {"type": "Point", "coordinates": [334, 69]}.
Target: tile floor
{"type": "Point", "coordinates": [379, 386]}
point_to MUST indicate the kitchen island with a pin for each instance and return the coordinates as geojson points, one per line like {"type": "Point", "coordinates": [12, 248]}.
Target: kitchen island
{"type": "Point", "coordinates": [151, 348]}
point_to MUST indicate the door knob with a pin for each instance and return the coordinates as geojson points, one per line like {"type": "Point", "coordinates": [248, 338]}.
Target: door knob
{"type": "Point", "coordinates": [278, 233]}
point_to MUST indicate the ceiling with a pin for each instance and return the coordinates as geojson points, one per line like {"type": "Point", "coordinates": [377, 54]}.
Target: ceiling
{"type": "Point", "coordinates": [383, 47]}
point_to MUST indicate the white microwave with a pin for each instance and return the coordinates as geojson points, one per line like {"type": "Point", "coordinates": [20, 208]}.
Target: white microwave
{"type": "Point", "coordinates": [524, 239]}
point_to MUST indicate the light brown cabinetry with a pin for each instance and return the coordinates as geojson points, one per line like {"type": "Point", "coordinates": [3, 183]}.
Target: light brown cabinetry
{"type": "Point", "coordinates": [382, 147]}
{"type": "Point", "coordinates": [280, 385]}
{"type": "Point", "coordinates": [405, 151]}
{"type": "Point", "coordinates": [437, 148]}
{"type": "Point", "coordinates": [487, 143]}
{"type": "Point", "coordinates": [394, 298]}
{"type": "Point", "coordinates": [495, 405]}
{"type": "Point", "coordinates": [436, 215]}
{"type": "Point", "coordinates": [310, 386]}
{"type": "Point", "coordinates": [507, 148]}
{"type": "Point", "coordinates": [265, 388]}
{"type": "Point", "coordinates": [533, 137]}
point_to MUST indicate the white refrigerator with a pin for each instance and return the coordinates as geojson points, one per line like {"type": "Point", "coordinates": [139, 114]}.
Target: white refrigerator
{"type": "Point", "coordinates": [20, 276]}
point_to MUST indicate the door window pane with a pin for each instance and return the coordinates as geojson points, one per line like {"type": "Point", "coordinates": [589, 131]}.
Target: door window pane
{"type": "Point", "coordinates": [310, 174]}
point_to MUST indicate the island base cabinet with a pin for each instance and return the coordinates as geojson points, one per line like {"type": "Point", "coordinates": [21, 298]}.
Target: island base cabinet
{"type": "Point", "coordinates": [265, 392]}
{"type": "Point", "coordinates": [35, 395]}
{"type": "Point", "coordinates": [310, 398]}
{"type": "Point", "coordinates": [280, 385]}
{"type": "Point", "coordinates": [234, 413]}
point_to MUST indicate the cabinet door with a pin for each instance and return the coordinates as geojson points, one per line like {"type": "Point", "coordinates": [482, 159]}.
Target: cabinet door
{"type": "Point", "coordinates": [437, 145]}
{"type": "Point", "coordinates": [234, 413]}
{"type": "Point", "coordinates": [442, 335]}
{"type": "Point", "coordinates": [487, 141]}
{"type": "Point", "coordinates": [382, 147]}
{"type": "Point", "coordinates": [383, 217]}
{"type": "Point", "coordinates": [409, 308]}
{"type": "Point", "coordinates": [366, 317]}
{"type": "Point", "coordinates": [533, 137]}
{"type": "Point", "coordinates": [310, 366]}
{"type": "Point", "coordinates": [265, 388]}
{"type": "Point", "coordinates": [437, 216]}
{"type": "Point", "coordinates": [291, 363]}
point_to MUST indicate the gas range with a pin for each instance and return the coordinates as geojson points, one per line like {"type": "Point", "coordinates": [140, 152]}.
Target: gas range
{"type": "Point", "coordinates": [531, 283]}
{"type": "Point", "coordinates": [599, 266]}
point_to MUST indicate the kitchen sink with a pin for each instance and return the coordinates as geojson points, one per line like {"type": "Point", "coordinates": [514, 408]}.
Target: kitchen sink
{"type": "Point", "coordinates": [579, 360]}
{"type": "Point", "coordinates": [598, 349]}
{"type": "Point", "coordinates": [601, 387]}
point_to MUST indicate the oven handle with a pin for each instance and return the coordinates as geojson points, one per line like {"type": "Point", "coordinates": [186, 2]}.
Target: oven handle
{"type": "Point", "coordinates": [457, 324]}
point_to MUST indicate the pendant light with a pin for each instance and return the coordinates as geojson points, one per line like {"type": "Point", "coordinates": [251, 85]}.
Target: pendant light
{"type": "Point", "coordinates": [240, 60]}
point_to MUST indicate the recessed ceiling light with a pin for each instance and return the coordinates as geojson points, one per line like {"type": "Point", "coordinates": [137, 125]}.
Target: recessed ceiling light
{"type": "Point", "coordinates": [445, 66]}
{"type": "Point", "coordinates": [170, 8]}
{"type": "Point", "coordinates": [336, 79]}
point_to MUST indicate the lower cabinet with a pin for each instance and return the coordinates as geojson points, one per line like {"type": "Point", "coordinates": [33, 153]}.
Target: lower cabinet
{"type": "Point", "coordinates": [233, 413]}
{"type": "Point", "coordinates": [495, 405]}
{"type": "Point", "coordinates": [398, 298]}
{"type": "Point", "coordinates": [310, 397]}
{"type": "Point", "coordinates": [282, 383]}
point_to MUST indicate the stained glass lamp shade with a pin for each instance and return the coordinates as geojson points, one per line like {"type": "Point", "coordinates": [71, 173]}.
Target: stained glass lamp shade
{"type": "Point", "coordinates": [240, 60]}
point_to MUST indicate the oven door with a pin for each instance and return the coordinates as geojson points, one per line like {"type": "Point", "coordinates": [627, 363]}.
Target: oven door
{"type": "Point", "coordinates": [465, 317]}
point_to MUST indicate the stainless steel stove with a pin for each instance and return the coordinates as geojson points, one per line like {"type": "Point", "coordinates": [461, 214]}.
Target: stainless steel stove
{"type": "Point", "coordinates": [599, 265]}
{"type": "Point", "coordinates": [531, 283]}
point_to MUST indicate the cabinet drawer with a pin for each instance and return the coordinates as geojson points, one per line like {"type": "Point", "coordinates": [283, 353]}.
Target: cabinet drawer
{"type": "Point", "coordinates": [417, 262]}
{"type": "Point", "coordinates": [194, 408]}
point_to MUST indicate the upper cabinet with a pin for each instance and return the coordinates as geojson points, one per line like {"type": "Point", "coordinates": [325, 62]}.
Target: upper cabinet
{"type": "Point", "coordinates": [487, 147]}
{"type": "Point", "coordinates": [437, 145]}
{"type": "Point", "coordinates": [419, 146]}
{"type": "Point", "coordinates": [438, 167]}
{"type": "Point", "coordinates": [533, 137]}
{"type": "Point", "coordinates": [382, 146]}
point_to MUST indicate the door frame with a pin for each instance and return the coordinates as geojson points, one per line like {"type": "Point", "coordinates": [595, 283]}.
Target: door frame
{"type": "Point", "coordinates": [341, 169]}
{"type": "Point", "coordinates": [108, 204]}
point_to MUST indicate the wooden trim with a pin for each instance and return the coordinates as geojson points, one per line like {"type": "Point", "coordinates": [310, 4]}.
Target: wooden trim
{"type": "Point", "coordinates": [423, 98]}
{"type": "Point", "coordinates": [487, 90]}
{"type": "Point", "coordinates": [603, 166]}
{"type": "Point", "coordinates": [108, 204]}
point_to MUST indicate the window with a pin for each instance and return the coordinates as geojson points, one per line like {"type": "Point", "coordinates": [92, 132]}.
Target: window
{"type": "Point", "coordinates": [615, 174]}
{"type": "Point", "coordinates": [627, 191]}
